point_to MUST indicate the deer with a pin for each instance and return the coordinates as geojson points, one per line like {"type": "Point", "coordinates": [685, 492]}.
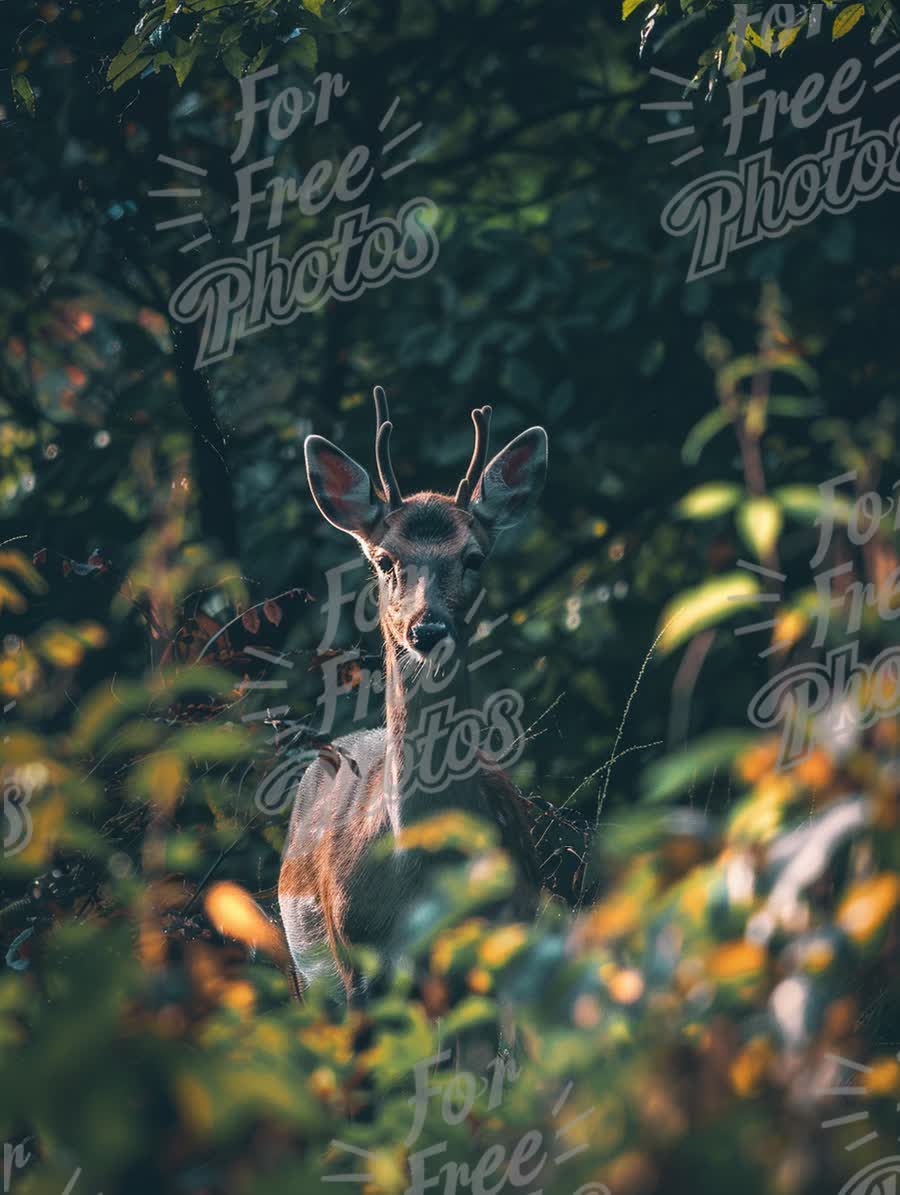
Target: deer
{"type": "Point", "coordinates": [427, 552]}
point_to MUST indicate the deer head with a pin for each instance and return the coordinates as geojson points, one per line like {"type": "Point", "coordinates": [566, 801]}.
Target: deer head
{"type": "Point", "coordinates": [427, 550]}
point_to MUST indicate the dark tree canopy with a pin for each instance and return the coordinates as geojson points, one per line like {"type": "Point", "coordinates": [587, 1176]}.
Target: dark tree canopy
{"type": "Point", "coordinates": [468, 204]}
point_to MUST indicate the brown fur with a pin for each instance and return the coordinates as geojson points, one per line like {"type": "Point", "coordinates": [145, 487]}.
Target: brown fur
{"type": "Point", "coordinates": [326, 872]}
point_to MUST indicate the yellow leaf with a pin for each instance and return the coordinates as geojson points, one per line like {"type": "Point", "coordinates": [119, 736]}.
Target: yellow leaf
{"type": "Point", "coordinates": [314, 6]}
{"type": "Point", "coordinates": [749, 1069]}
{"type": "Point", "coordinates": [817, 957]}
{"type": "Point", "coordinates": [92, 633]}
{"type": "Point", "coordinates": [736, 961]}
{"type": "Point", "coordinates": [758, 761]}
{"type": "Point", "coordinates": [789, 627]}
{"type": "Point", "coordinates": [707, 604]}
{"type": "Point", "coordinates": [628, 7]}
{"type": "Point", "coordinates": [454, 942]}
{"type": "Point", "coordinates": [787, 37]}
{"type": "Point", "coordinates": [764, 44]}
{"type": "Point", "coordinates": [448, 831]}
{"type": "Point", "coordinates": [734, 66]}
{"type": "Point", "coordinates": [162, 778]}
{"type": "Point", "coordinates": [62, 648]}
{"type": "Point", "coordinates": [882, 1077]}
{"type": "Point", "coordinates": [709, 500]}
{"type": "Point", "coordinates": [10, 597]}
{"type": "Point", "coordinates": [867, 906]}
{"type": "Point", "coordinates": [195, 1102]}
{"type": "Point", "coordinates": [759, 818]}
{"type": "Point", "coordinates": [323, 1083]}
{"type": "Point", "coordinates": [47, 821]}
{"type": "Point", "coordinates": [387, 1171]}
{"type": "Point", "coordinates": [499, 947]}
{"type": "Point", "coordinates": [15, 562]}
{"type": "Point", "coordinates": [816, 771]}
{"type": "Point", "coordinates": [845, 20]}
{"type": "Point", "coordinates": [616, 917]}
{"type": "Point", "coordinates": [24, 747]}
{"type": "Point", "coordinates": [240, 997]}
{"type": "Point", "coordinates": [479, 980]}
{"type": "Point", "coordinates": [759, 522]}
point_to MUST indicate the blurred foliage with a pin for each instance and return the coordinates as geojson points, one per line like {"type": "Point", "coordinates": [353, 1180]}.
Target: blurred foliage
{"type": "Point", "coordinates": [751, 34]}
{"type": "Point", "coordinates": [160, 555]}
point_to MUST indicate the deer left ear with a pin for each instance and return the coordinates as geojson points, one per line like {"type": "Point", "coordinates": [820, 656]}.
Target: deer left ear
{"type": "Point", "coordinates": [512, 482]}
{"type": "Point", "coordinates": [341, 488]}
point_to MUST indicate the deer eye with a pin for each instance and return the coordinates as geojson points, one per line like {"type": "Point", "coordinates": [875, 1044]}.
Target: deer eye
{"type": "Point", "coordinates": [473, 561]}
{"type": "Point", "coordinates": [384, 563]}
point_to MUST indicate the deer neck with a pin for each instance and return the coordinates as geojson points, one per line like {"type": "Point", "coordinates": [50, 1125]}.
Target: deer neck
{"type": "Point", "coordinates": [428, 765]}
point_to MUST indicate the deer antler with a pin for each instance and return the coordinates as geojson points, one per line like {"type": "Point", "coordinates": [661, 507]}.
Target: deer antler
{"type": "Point", "coordinates": [481, 417]}
{"type": "Point", "coordinates": [383, 429]}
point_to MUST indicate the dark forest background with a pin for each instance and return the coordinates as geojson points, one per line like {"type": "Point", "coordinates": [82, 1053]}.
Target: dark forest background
{"type": "Point", "coordinates": [147, 504]}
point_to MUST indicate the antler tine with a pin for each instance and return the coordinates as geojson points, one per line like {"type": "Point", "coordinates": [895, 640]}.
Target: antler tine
{"type": "Point", "coordinates": [383, 429]}
{"type": "Point", "coordinates": [385, 467]}
{"type": "Point", "coordinates": [463, 494]}
{"type": "Point", "coordinates": [481, 417]}
{"type": "Point", "coordinates": [382, 414]}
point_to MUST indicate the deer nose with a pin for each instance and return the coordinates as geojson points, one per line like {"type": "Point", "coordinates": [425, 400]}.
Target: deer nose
{"type": "Point", "coordinates": [426, 635]}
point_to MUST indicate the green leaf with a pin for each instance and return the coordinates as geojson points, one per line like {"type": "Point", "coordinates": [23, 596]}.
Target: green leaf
{"type": "Point", "coordinates": [185, 59]}
{"type": "Point", "coordinates": [306, 52]}
{"type": "Point", "coordinates": [759, 521]}
{"type": "Point", "coordinates": [102, 711]}
{"type": "Point", "coordinates": [696, 762]}
{"type": "Point", "coordinates": [795, 405]}
{"type": "Point", "coordinates": [704, 606]}
{"type": "Point", "coordinates": [130, 71]}
{"type": "Point", "coordinates": [234, 60]}
{"type": "Point", "coordinates": [159, 778]}
{"type": "Point", "coordinates": [708, 501]}
{"type": "Point", "coordinates": [23, 92]}
{"type": "Point", "coordinates": [133, 44]}
{"type": "Point", "coordinates": [701, 433]}
{"type": "Point", "coordinates": [787, 361]}
{"type": "Point", "coordinates": [257, 60]}
{"type": "Point", "coordinates": [807, 503]}
{"type": "Point", "coordinates": [471, 1012]}
{"type": "Point", "coordinates": [134, 51]}
{"type": "Point", "coordinates": [225, 742]}
{"type": "Point", "coordinates": [230, 34]}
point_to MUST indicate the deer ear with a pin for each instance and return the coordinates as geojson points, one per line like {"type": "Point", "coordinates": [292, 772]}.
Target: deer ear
{"type": "Point", "coordinates": [341, 488]}
{"type": "Point", "coordinates": [512, 482]}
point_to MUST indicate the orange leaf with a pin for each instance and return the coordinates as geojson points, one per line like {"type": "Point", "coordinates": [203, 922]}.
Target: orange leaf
{"type": "Point", "coordinates": [235, 914]}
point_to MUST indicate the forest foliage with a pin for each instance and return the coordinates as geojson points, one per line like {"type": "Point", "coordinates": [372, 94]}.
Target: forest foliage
{"type": "Point", "coordinates": [716, 447]}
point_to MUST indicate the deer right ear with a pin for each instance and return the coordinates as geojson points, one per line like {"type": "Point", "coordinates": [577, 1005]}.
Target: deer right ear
{"type": "Point", "coordinates": [341, 488]}
{"type": "Point", "coordinates": [512, 482]}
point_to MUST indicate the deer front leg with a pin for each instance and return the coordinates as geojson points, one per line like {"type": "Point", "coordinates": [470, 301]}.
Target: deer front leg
{"type": "Point", "coordinates": [304, 928]}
